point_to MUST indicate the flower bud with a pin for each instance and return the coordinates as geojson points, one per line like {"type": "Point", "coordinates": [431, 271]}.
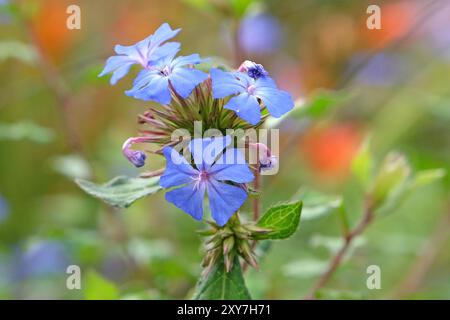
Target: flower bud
{"type": "Point", "coordinates": [392, 175]}
{"type": "Point", "coordinates": [228, 244]}
{"type": "Point", "coordinates": [136, 157]}
{"type": "Point", "coordinates": [266, 159]}
{"type": "Point", "coordinates": [254, 70]}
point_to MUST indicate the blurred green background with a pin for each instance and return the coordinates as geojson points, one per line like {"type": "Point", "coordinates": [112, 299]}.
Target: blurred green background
{"type": "Point", "coordinates": [59, 121]}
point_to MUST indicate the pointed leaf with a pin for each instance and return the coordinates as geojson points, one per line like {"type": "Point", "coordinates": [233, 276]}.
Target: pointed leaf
{"type": "Point", "coordinates": [425, 177]}
{"type": "Point", "coordinates": [283, 219]}
{"type": "Point", "coordinates": [121, 191]}
{"type": "Point", "coordinates": [220, 285]}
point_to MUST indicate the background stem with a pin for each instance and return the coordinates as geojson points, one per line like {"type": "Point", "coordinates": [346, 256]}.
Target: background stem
{"type": "Point", "coordinates": [338, 258]}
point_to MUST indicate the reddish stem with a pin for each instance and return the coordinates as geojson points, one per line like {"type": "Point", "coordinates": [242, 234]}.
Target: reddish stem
{"type": "Point", "coordinates": [338, 258]}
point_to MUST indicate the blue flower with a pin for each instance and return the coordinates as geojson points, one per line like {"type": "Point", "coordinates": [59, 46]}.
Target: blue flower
{"type": "Point", "coordinates": [144, 52]}
{"type": "Point", "coordinates": [249, 93]}
{"type": "Point", "coordinates": [154, 83]}
{"type": "Point", "coordinates": [215, 169]}
{"type": "Point", "coordinates": [41, 258]}
{"type": "Point", "coordinates": [260, 34]}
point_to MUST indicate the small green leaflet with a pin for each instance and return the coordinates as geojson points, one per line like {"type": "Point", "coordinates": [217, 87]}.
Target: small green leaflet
{"type": "Point", "coordinates": [121, 191]}
{"type": "Point", "coordinates": [99, 288]}
{"type": "Point", "coordinates": [283, 219]}
{"type": "Point", "coordinates": [18, 50]}
{"type": "Point", "coordinates": [321, 103]}
{"type": "Point", "coordinates": [220, 285]}
{"type": "Point", "coordinates": [425, 177]}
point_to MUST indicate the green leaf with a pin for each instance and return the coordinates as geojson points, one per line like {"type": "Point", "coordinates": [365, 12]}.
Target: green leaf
{"type": "Point", "coordinates": [362, 164]}
{"type": "Point", "coordinates": [18, 50]}
{"type": "Point", "coordinates": [316, 107]}
{"type": "Point", "coordinates": [98, 288]}
{"type": "Point", "coordinates": [399, 194]}
{"type": "Point", "coordinates": [321, 103]}
{"type": "Point", "coordinates": [200, 4]}
{"type": "Point", "coordinates": [25, 130]}
{"type": "Point", "coordinates": [425, 177]}
{"type": "Point", "coordinates": [220, 285]}
{"type": "Point", "coordinates": [121, 191]}
{"type": "Point", "coordinates": [283, 219]}
{"type": "Point", "coordinates": [240, 6]}
{"type": "Point", "coordinates": [88, 76]}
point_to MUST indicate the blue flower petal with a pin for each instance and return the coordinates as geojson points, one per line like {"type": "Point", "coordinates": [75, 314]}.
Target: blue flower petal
{"type": "Point", "coordinates": [163, 33]}
{"type": "Point", "coordinates": [184, 80]}
{"type": "Point", "coordinates": [278, 102]}
{"type": "Point", "coordinates": [137, 52]}
{"type": "Point", "coordinates": [119, 65]}
{"type": "Point", "coordinates": [178, 170]}
{"type": "Point", "coordinates": [265, 82]}
{"type": "Point", "coordinates": [225, 84]}
{"type": "Point", "coordinates": [224, 200]}
{"type": "Point", "coordinates": [231, 166]}
{"type": "Point", "coordinates": [149, 49]}
{"type": "Point", "coordinates": [189, 199]}
{"type": "Point", "coordinates": [181, 61]}
{"type": "Point", "coordinates": [205, 151]}
{"type": "Point", "coordinates": [120, 72]}
{"type": "Point", "coordinates": [156, 89]}
{"type": "Point", "coordinates": [246, 107]}
{"type": "Point", "coordinates": [144, 77]}
{"type": "Point", "coordinates": [244, 78]}
{"type": "Point", "coordinates": [166, 51]}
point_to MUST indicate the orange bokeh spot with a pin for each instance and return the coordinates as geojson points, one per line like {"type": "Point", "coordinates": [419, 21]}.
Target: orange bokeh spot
{"type": "Point", "coordinates": [50, 30]}
{"type": "Point", "coordinates": [329, 150]}
{"type": "Point", "coordinates": [134, 25]}
{"type": "Point", "coordinates": [396, 21]}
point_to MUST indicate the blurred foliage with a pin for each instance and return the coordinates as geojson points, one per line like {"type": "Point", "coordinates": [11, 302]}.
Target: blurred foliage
{"type": "Point", "coordinates": [14, 49]}
{"type": "Point", "coordinates": [361, 94]}
{"type": "Point", "coordinates": [25, 130]}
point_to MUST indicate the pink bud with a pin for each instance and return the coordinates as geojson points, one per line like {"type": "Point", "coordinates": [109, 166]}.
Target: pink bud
{"type": "Point", "coordinates": [265, 158]}
{"type": "Point", "coordinates": [134, 156]}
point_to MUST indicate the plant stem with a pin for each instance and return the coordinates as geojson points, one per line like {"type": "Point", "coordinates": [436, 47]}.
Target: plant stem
{"type": "Point", "coordinates": [338, 258]}
{"type": "Point", "coordinates": [256, 202]}
{"type": "Point", "coordinates": [256, 209]}
{"type": "Point", "coordinates": [59, 88]}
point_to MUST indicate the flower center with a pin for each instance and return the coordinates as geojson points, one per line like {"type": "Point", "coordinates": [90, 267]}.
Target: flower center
{"type": "Point", "coordinates": [251, 89]}
{"type": "Point", "coordinates": [166, 71]}
{"type": "Point", "coordinates": [203, 176]}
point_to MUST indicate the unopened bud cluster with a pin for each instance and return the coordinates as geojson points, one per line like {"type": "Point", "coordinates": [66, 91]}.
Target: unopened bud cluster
{"type": "Point", "coordinates": [235, 238]}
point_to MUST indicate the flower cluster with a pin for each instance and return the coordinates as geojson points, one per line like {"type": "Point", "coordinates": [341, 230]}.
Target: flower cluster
{"type": "Point", "coordinates": [182, 95]}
